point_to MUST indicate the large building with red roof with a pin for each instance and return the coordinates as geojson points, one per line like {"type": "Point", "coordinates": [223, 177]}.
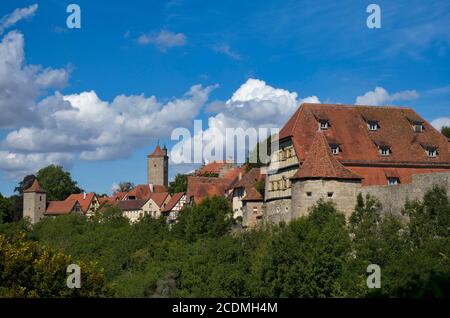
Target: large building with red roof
{"type": "Point", "coordinates": [333, 151]}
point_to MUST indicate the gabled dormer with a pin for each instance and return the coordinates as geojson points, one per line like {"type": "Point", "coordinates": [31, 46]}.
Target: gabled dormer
{"type": "Point", "coordinates": [384, 149]}
{"type": "Point", "coordinates": [373, 124]}
{"type": "Point", "coordinates": [323, 121]}
{"type": "Point", "coordinates": [416, 124]}
{"type": "Point", "coordinates": [431, 151]}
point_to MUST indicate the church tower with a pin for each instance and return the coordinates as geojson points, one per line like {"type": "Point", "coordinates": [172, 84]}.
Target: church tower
{"type": "Point", "coordinates": [158, 167]}
{"type": "Point", "coordinates": [34, 202]}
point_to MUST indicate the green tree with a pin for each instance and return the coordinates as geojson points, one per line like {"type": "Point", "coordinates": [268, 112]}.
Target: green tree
{"type": "Point", "coordinates": [213, 217]}
{"type": "Point", "coordinates": [446, 131]}
{"type": "Point", "coordinates": [57, 182]}
{"type": "Point", "coordinates": [25, 183]}
{"type": "Point", "coordinates": [125, 186]}
{"type": "Point", "coordinates": [179, 184]}
{"type": "Point", "coordinates": [430, 218]}
{"type": "Point", "coordinates": [6, 209]}
{"type": "Point", "coordinates": [28, 269]}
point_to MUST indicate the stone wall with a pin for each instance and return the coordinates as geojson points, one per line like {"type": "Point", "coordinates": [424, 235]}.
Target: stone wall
{"type": "Point", "coordinates": [253, 212]}
{"type": "Point", "coordinates": [393, 197]}
{"type": "Point", "coordinates": [34, 206]}
{"type": "Point", "coordinates": [306, 193]}
{"type": "Point", "coordinates": [157, 170]}
{"type": "Point", "coordinates": [277, 211]}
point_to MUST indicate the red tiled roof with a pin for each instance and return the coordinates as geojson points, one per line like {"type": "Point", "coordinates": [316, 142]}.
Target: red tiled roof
{"type": "Point", "coordinates": [212, 167]}
{"type": "Point", "coordinates": [142, 191]}
{"type": "Point", "coordinates": [348, 126]}
{"type": "Point", "coordinates": [251, 194]}
{"type": "Point", "coordinates": [119, 195]}
{"type": "Point", "coordinates": [60, 207]}
{"type": "Point", "coordinates": [130, 205]}
{"type": "Point", "coordinates": [202, 187]}
{"type": "Point", "coordinates": [157, 153]}
{"type": "Point", "coordinates": [35, 187]}
{"type": "Point", "coordinates": [159, 198]}
{"type": "Point", "coordinates": [107, 200]}
{"type": "Point", "coordinates": [320, 163]}
{"type": "Point", "coordinates": [250, 179]}
{"type": "Point", "coordinates": [84, 202]}
{"type": "Point", "coordinates": [176, 197]}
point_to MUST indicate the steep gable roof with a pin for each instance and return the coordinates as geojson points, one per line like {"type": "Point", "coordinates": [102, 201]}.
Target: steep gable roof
{"type": "Point", "coordinates": [251, 194]}
{"type": "Point", "coordinates": [176, 197]}
{"type": "Point", "coordinates": [35, 188]}
{"type": "Point", "coordinates": [320, 163]}
{"type": "Point", "coordinates": [348, 127]}
{"type": "Point", "coordinates": [85, 202]}
{"type": "Point", "coordinates": [159, 198]}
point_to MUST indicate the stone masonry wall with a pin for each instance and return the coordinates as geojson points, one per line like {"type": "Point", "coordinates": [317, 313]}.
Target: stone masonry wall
{"type": "Point", "coordinates": [393, 198]}
{"type": "Point", "coordinates": [342, 193]}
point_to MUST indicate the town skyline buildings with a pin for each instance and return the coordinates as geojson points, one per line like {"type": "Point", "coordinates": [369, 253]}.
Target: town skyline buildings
{"type": "Point", "coordinates": [251, 73]}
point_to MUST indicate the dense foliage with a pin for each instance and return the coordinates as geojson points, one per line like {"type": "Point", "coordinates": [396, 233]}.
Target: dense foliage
{"type": "Point", "coordinates": [446, 131]}
{"type": "Point", "coordinates": [179, 184]}
{"type": "Point", "coordinates": [205, 254]}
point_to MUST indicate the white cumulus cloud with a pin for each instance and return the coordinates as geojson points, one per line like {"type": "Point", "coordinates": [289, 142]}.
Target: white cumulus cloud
{"type": "Point", "coordinates": [438, 123]}
{"type": "Point", "coordinates": [255, 104]}
{"type": "Point", "coordinates": [380, 96]}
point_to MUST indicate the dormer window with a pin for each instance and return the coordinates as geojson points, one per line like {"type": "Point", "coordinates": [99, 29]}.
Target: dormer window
{"type": "Point", "coordinates": [372, 125]}
{"type": "Point", "coordinates": [432, 152]}
{"type": "Point", "coordinates": [324, 124]}
{"type": "Point", "coordinates": [417, 127]}
{"type": "Point", "coordinates": [393, 181]}
{"type": "Point", "coordinates": [384, 151]}
{"type": "Point", "coordinates": [335, 149]}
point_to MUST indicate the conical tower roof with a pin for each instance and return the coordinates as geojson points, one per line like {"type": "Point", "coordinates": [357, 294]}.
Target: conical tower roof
{"type": "Point", "coordinates": [35, 188]}
{"type": "Point", "coordinates": [158, 152]}
{"type": "Point", "coordinates": [321, 164]}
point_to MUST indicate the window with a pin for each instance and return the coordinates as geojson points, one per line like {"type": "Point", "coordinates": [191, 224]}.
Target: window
{"type": "Point", "coordinates": [309, 194]}
{"type": "Point", "coordinates": [385, 151]}
{"type": "Point", "coordinates": [335, 149]}
{"type": "Point", "coordinates": [372, 125]}
{"type": "Point", "coordinates": [393, 180]}
{"type": "Point", "coordinates": [432, 152]}
{"type": "Point", "coordinates": [323, 124]}
{"type": "Point", "coordinates": [255, 209]}
{"type": "Point", "coordinates": [418, 127]}
{"type": "Point", "coordinates": [330, 194]}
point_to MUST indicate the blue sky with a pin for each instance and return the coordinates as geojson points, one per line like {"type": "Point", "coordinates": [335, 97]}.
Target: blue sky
{"type": "Point", "coordinates": [140, 49]}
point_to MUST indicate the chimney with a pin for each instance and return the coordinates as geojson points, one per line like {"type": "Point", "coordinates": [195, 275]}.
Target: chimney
{"type": "Point", "coordinates": [84, 195]}
{"type": "Point", "coordinates": [151, 187]}
{"type": "Point", "coordinates": [240, 175]}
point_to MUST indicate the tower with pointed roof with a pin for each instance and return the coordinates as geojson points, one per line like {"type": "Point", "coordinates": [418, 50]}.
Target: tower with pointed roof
{"type": "Point", "coordinates": [34, 202]}
{"type": "Point", "coordinates": [158, 167]}
{"type": "Point", "coordinates": [322, 176]}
